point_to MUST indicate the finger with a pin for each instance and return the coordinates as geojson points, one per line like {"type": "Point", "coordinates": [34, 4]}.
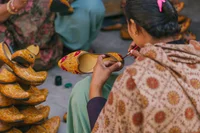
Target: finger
{"type": "Point", "coordinates": [132, 45]}
{"type": "Point", "coordinates": [134, 53]}
{"type": "Point", "coordinates": [109, 63]}
{"type": "Point", "coordinates": [115, 67]}
{"type": "Point", "coordinates": [100, 58]}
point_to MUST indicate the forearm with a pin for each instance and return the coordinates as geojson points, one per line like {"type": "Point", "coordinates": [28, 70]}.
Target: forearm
{"type": "Point", "coordinates": [4, 14]}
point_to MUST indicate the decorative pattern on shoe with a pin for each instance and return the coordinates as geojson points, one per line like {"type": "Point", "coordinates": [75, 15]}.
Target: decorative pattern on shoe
{"type": "Point", "coordinates": [82, 62]}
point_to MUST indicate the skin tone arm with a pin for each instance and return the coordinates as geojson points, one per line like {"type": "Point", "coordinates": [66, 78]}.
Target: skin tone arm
{"type": "Point", "coordinates": [4, 14]}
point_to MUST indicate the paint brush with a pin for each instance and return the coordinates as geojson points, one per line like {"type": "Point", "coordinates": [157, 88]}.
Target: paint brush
{"type": "Point", "coordinates": [130, 52]}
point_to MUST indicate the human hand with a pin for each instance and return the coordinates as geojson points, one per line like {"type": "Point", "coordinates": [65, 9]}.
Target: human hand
{"type": "Point", "coordinates": [19, 4]}
{"type": "Point", "coordinates": [101, 73]}
{"type": "Point", "coordinates": [133, 49]}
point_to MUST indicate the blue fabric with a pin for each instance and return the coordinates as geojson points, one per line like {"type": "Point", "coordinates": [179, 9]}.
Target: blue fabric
{"type": "Point", "coordinates": [79, 29]}
{"type": "Point", "coordinates": [77, 115]}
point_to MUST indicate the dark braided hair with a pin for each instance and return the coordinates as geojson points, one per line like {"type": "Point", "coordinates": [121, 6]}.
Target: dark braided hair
{"type": "Point", "coordinates": [146, 14]}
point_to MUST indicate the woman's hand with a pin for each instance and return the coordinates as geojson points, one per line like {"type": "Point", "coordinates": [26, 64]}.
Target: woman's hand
{"type": "Point", "coordinates": [19, 4]}
{"type": "Point", "coordinates": [101, 73]}
{"type": "Point", "coordinates": [133, 50]}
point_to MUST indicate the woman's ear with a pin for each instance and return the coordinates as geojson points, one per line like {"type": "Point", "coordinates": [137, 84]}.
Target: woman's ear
{"type": "Point", "coordinates": [132, 27]}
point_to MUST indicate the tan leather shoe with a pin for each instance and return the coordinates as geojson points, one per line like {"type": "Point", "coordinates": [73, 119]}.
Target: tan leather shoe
{"type": "Point", "coordinates": [179, 6]}
{"type": "Point", "coordinates": [26, 74]}
{"type": "Point", "coordinates": [52, 124]}
{"type": "Point", "coordinates": [14, 91]}
{"type": "Point", "coordinates": [44, 110]}
{"type": "Point", "coordinates": [185, 25]}
{"type": "Point", "coordinates": [49, 126]}
{"type": "Point", "coordinates": [65, 117]}
{"type": "Point", "coordinates": [26, 57]}
{"type": "Point", "coordinates": [124, 33]}
{"type": "Point", "coordinates": [14, 130]}
{"type": "Point", "coordinates": [11, 115]}
{"type": "Point", "coordinates": [32, 115]}
{"type": "Point", "coordinates": [4, 127]}
{"type": "Point", "coordinates": [5, 101]}
{"type": "Point", "coordinates": [37, 129]}
{"type": "Point", "coordinates": [6, 76]}
{"type": "Point", "coordinates": [181, 18]}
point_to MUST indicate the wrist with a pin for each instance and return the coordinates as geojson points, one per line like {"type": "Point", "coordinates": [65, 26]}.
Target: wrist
{"type": "Point", "coordinates": [95, 91]}
{"type": "Point", "coordinates": [9, 9]}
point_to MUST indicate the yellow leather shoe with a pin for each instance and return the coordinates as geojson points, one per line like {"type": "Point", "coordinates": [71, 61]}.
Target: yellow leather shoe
{"type": "Point", "coordinates": [65, 117]}
{"type": "Point", "coordinates": [82, 62]}
{"type": "Point", "coordinates": [185, 25]}
{"type": "Point", "coordinates": [179, 6]}
{"type": "Point", "coordinates": [44, 110]}
{"type": "Point", "coordinates": [52, 124]}
{"type": "Point", "coordinates": [32, 115]}
{"type": "Point", "coordinates": [49, 126]}
{"type": "Point", "coordinates": [37, 129]}
{"type": "Point", "coordinates": [14, 91]}
{"type": "Point", "coordinates": [181, 18]}
{"type": "Point", "coordinates": [25, 75]}
{"type": "Point", "coordinates": [11, 115]}
{"type": "Point", "coordinates": [14, 130]}
{"type": "Point", "coordinates": [6, 76]}
{"type": "Point", "coordinates": [26, 57]}
{"type": "Point", "coordinates": [36, 96]}
{"type": "Point", "coordinates": [5, 101]}
{"type": "Point", "coordinates": [4, 127]}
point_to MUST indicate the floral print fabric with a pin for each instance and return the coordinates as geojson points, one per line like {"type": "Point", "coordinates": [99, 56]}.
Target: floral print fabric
{"type": "Point", "coordinates": [34, 25]}
{"type": "Point", "coordinates": [158, 93]}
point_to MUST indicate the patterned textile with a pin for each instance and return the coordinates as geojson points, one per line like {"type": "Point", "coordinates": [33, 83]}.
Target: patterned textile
{"type": "Point", "coordinates": [158, 93]}
{"type": "Point", "coordinates": [34, 25]}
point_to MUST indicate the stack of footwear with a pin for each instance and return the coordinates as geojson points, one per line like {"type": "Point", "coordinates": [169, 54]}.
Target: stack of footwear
{"type": "Point", "coordinates": [184, 22]}
{"type": "Point", "coordinates": [19, 97]}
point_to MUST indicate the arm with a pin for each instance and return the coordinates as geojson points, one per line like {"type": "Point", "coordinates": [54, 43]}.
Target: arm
{"type": "Point", "coordinates": [4, 14]}
{"type": "Point", "coordinates": [97, 102]}
{"type": "Point", "coordinates": [15, 7]}
{"type": "Point", "coordinates": [94, 108]}
{"type": "Point", "coordinates": [123, 110]}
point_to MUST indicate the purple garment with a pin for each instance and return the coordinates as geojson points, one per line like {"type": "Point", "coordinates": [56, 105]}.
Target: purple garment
{"type": "Point", "coordinates": [94, 107]}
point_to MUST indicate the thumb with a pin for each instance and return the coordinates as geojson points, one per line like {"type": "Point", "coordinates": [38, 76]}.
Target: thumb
{"type": "Point", "coordinates": [115, 66]}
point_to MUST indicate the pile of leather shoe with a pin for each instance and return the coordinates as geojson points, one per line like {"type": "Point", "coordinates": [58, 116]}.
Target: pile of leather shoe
{"type": "Point", "coordinates": [19, 97]}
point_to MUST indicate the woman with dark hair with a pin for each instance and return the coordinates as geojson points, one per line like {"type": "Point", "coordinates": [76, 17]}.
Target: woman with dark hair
{"type": "Point", "coordinates": [157, 93]}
